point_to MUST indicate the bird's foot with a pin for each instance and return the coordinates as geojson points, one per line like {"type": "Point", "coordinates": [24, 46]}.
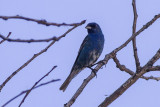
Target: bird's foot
{"type": "Point", "coordinates": [100, 62]}
{"type": "Point", "coordinates": [93, 70]}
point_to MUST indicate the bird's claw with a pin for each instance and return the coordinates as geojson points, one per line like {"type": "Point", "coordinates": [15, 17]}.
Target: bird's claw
{"type": "Point", "coordinates": [94, 72]}
{"type": "Point", "coordinates": [100, 62]}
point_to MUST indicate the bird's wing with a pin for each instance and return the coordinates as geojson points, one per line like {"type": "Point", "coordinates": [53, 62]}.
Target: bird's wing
{"type": "Point", "coordinates": [83, 44]}
{"type": "Point", "coordinates": [79, 52]}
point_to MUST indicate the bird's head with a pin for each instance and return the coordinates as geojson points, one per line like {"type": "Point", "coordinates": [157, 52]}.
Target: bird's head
{"type": "Point", "coordinates": [93, 28]}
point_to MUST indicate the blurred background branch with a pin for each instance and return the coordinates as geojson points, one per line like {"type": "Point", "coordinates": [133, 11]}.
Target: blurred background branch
{"type": "Point", "coordinates": [43, 22]}
{"type": "Point", "coordinates": [27, 93]}
{"type": "Point", "coordinates": [23, 92]}
{"type": "Point", "coordinates": [37, 54]}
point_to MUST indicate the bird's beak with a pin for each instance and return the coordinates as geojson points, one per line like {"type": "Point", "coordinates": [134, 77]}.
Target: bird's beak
{"type": "Point", "coordinates": [88, 27]}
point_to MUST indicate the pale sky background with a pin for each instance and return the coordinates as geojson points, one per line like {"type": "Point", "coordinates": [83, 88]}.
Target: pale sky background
{"type": "Point", "coordinates": [115, 18]}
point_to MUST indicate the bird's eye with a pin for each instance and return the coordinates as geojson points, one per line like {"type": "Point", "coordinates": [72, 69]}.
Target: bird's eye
{"type": "Point", "coordinates": [93, 26]}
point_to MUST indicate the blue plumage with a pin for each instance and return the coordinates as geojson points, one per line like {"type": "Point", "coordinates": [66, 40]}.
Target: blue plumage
{"type": "Point", "coordinates": [90, 50]}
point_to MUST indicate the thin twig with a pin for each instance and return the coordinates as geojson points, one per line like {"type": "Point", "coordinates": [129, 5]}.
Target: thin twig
{"type": "Point", "coordinates": [36, 55]}
{"type": "Point", "coordinates": [134, 40]}
{"type": "Point", "coordinates": [151, 78]}
{"type": "Point", "coordinates": [124, 68]}
{"type": "Point", "coordinates": [23, 92]}
{"type": "Point", "coordinates": [35, 85]}
{"type": "Point", "coordinates": [5, 37]}
{"type": "Point", "coordinates": [43, 22]}
{"type": "Point", "coordinates": [27, 40]}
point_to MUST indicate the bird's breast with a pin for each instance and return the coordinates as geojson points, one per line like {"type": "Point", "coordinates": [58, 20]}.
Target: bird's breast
{"type": "Point", "coordinates": [93, 56]}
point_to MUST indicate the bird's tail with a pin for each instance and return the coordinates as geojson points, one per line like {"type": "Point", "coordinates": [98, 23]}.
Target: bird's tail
{"type": "Point", "coordinates": [66, 82]}
{"type": "Point", "coordinates": [69, 78]}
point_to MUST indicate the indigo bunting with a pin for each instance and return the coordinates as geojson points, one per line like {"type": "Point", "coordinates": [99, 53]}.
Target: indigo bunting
{"type": "Point", "coordinates": [90, 50]}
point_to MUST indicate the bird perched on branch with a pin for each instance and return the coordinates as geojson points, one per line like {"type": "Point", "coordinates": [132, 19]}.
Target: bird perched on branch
{"type": "Point", "coordinates": [90, 50]}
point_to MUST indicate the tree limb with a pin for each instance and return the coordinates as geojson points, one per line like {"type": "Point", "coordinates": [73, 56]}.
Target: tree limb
{"type": "Point", "coordinates": [129, 82]}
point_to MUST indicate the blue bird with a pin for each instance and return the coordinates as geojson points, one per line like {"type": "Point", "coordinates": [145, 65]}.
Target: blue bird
{"type": "Point", "coordinates": [90, 50]}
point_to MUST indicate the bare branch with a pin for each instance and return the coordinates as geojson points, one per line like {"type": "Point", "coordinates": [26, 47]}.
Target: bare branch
{"type": "Point", "coordinates": [123, 68]}
{"type": "Point", "coordinates": [134, 40]}
{"type": "Point", "coordinates": [130, 81]}
{"type": "Point", "coordinates": [35, 85]}
{"type": "Point", "coordinates": [23, 92]}
{"type": "Point", "coordinates": [36, 55]}
{"type": "Point", "coordinates": [28, 41]}
{"type": "Point", "coordinates": [43, 22]}
{"type": "Point", "coordinates": [106, 59]}
{"type": "Point", "coordinates": [5, 37]}
{"type": "Point", "coordinates": [152, 78]}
